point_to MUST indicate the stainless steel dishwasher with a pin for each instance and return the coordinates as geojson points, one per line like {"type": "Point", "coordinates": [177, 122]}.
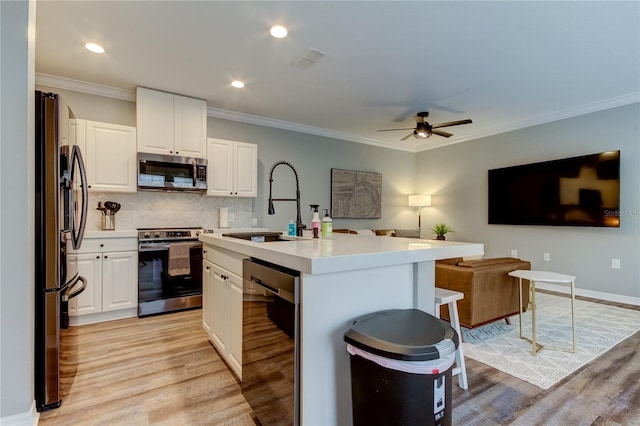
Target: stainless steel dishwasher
{"type": "Point", "coordinates": [270, 342]}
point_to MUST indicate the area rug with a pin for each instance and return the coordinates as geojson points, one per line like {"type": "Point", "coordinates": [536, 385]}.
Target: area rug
{"type": "Point", "coordinates": [598, 328]}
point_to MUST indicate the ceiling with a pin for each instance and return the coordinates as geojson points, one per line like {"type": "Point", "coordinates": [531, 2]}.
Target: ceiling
{"type": "Point", "coordinates": [506, 65]}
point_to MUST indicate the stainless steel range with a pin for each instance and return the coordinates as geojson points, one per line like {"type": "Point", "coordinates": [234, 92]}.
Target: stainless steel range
{"type": "Point", "coordinates": [169, 270]}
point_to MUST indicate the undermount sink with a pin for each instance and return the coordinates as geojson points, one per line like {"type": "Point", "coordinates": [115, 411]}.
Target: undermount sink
{"type": "Point", "coordinates": [258, 237]}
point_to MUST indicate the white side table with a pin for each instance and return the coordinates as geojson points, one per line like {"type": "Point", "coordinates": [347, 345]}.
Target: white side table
{"type": "Point", "coordinates": [548, 277]}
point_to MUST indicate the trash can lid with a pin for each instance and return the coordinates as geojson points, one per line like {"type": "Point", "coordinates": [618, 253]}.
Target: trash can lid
{"type": "Point", "coordinates": [404, 334]}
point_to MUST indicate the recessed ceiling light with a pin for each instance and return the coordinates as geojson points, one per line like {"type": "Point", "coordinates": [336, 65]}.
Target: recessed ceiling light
{"type": "Point", "coordinates": [237, 84]}
{"type": "Point", "coordinates": [95, 48]}
{"type": "Point", "coordinates": [278, 31]}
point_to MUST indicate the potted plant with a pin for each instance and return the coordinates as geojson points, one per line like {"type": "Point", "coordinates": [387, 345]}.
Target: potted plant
{"type": "Point", "coordinates": [440, 229]}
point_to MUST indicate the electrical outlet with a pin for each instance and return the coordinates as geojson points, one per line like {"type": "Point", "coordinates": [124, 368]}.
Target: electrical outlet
{"type": "Point", "coordinates": [514, 253]}
{"type": "Point", "coordinates": [615, 263]}
{"type": "Point", "coordinates": [254, 221]}
{"type": "Point", "coordinates": [232, 217]}
{"type": "Point", "coordinates": [547, 257]}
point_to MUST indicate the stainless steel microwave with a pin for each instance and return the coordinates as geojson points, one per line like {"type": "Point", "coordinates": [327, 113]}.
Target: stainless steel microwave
{"type": "Point", "coordinates": [157, 172]}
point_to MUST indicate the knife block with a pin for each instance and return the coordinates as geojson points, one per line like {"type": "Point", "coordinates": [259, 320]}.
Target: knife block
{"type": "Point", "coordinates": [108, 222]}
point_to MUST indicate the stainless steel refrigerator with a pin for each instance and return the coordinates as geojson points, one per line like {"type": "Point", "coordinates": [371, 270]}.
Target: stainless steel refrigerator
{"type": "Point", "coordinates": [60, 217]}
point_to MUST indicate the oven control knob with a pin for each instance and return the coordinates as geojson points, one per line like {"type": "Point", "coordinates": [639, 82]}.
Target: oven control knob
{"type": "Point", "coordinates": [147, 235]}
{"type": "Point", "coordinates": [156, 235]}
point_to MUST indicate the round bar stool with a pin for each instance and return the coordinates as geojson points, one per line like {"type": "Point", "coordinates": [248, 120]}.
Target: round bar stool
{"type": "Point", "coordinates": [449, 298]}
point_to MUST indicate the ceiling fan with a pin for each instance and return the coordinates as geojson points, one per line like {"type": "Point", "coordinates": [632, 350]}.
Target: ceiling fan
{"type": "Point", "coordinates": [423, 129]}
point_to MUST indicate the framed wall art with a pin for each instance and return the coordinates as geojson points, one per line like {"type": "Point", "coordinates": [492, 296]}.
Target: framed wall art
{"type": "Point", "coordinates": [355, 195]}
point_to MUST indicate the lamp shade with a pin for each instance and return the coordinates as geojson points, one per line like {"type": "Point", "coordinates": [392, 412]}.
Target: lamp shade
{"type": "Point", "coordinates": [419, 200]}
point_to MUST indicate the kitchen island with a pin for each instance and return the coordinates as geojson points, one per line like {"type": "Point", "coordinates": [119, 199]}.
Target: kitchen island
{"type": "Point", "coordinates": [342, 278]}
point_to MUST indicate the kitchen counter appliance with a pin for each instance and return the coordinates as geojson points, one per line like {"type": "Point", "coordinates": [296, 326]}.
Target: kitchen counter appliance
{"type": "Point", "coordinates": [270, 342]}
{"type": "Point", "coordinates": [169, 270]}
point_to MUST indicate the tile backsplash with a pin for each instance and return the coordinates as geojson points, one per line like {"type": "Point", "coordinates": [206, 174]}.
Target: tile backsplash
{"type": "Point", "coordinates": [156, 209]}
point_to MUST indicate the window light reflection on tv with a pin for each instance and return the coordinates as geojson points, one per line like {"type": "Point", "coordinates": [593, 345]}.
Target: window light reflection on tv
{"type": "Point", "coordinates": [576, 191]}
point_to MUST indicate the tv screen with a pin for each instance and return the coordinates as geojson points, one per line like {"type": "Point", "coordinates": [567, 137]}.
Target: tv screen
{"type": "Point", "coordinates": [577, 191]}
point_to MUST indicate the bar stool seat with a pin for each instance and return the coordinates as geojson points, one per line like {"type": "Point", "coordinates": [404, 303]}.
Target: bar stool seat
{"type": "Point", "coordinates": [450, 297]}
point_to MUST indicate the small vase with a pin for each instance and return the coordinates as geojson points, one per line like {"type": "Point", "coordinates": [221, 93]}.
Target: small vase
{"type": "Point", "coordinates": [440, 237]}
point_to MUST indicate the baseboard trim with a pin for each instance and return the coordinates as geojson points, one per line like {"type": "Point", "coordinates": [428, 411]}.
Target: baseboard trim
{"type": "Point", "coordinates": [609, 297]}
{"type": "Point", "coordinates": [103, 316]}
{"type": "Point", "coordinates": [28, 418]}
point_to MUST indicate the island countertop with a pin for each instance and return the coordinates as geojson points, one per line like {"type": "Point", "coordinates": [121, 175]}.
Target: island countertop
{"type": "Point", "coordinates": [344, 277]}
{"type": "Point", "coordinates": [345, 252]}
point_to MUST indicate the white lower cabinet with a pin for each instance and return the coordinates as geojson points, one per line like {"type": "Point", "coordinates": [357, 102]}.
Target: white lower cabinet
{"type": "Point", "coordinates": [112, 286]}
{"type": "Point", "coordinates": [222, 312]}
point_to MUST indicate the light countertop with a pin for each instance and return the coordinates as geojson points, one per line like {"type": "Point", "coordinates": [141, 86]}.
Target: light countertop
{"type": "Point", "coordinates": [124, 233]}
{"type": "Point", "coordinates": [345, 252]}
{"type": "Point", "coordinates": [133, 233]}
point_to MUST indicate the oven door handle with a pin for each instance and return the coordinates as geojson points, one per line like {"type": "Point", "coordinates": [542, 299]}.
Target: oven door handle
{"type": "Point", "coordinates": [153, 247]}
{"type": "Point", "coordinates": [162, 246]}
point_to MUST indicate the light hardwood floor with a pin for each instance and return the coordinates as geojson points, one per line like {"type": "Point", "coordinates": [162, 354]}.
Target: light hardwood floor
{"type": "Point", "coordinates": [162, 370]}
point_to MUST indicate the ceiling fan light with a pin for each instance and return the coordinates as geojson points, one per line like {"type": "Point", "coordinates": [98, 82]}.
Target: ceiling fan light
{"type": "Point", "coordinates": [421, 131]}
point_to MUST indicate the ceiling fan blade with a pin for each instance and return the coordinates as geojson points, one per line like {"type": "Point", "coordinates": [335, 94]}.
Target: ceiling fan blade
{"type": "Point", "coordinates": [393, 130]}
{"type": "Point", "coordinates": [451, 123]}
{"type": "Point", "coordinates": [407, 137]}
{"type": "Point", "coordinates": [441, 133]}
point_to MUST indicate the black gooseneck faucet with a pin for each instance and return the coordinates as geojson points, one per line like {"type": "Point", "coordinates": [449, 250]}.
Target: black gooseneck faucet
{"type": "Point", "coordinates": [299, 225]}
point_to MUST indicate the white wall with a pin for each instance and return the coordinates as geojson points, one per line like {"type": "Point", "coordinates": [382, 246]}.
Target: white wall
{"type": "Point", "coordinates": [457, 177]}
{"type": "Point", "coordinates": [16, 212]}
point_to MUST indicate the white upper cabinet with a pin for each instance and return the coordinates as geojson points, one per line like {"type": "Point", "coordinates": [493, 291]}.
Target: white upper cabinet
{"type": "Point", "coordinates": [232, 168]}
{"type": "Point", "coordinates": [171, 124]}
{"type": "Point", "coordinates": [109, 152]}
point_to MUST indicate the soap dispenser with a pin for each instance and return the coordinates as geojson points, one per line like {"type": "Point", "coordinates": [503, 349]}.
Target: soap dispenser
{"type": "Point", "coordinates": [327, 224]}
{"type": "Point", "coordinates": [315, 222]}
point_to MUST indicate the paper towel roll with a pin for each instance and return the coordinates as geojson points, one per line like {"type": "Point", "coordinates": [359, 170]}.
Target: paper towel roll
{"type": "Point", "coordinates": [224, 217]}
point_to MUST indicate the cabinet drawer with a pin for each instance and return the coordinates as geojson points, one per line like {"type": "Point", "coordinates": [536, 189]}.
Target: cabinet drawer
{"type": "Point", "coordinates": [229, 260]}
{"type": "Point", "coordinates": [92, 245]}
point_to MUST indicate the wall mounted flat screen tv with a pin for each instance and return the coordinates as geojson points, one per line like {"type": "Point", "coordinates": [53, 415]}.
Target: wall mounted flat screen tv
{"type": "Point", "coordinates": [577, 191]}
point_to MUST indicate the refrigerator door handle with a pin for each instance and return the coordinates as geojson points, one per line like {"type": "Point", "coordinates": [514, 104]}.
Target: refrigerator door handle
{"type": "Point", "coordinates": [77, 233]}
{"type": "Point", "coordinates": [72, 291]}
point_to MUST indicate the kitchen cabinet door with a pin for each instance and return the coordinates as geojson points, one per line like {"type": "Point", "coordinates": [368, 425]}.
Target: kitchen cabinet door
{"type": "Point", "coordinates": [190, 127]}
{"type": "Point", "coordinates": [154, 117]}
{"type": "Point", "coordinates": [90, 300]}
{"type": "Point", "coordinates": [235, 324]}
{"type": "Point", "coordinates": [232, 168]}
{"type": "Point", "coordinates": [119, 280]}
{"type": "Point", "coordinates": [245, 162]}
{"type": "Point", "coordinates": [220, 304]}
{"type": "Point", "coordinates": [110, 157]}
{"type": "Point", "coordinates": [171, 124]}
{"type": "Point", "coordinates": [207, 298]}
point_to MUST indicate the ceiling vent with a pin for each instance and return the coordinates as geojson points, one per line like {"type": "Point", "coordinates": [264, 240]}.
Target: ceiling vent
{"type": "Point", "coordinates": [308, 57]}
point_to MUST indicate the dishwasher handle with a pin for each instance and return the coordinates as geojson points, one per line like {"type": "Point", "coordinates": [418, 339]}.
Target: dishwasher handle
{"type": "Point", "coordinates": [266, 286]}
{"type": "Point", "coordinates": [279, 292]}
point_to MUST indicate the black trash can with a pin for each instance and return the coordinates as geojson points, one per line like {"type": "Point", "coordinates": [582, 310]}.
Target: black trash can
{"type": "Point", "coordinates": [401, 367]}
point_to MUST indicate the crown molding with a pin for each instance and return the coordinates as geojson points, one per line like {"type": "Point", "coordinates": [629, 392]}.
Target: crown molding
{"type": "Point", "coordinates": [85, 87]}
{"type": "Point", "coordinates": [295, 127]}
{"type": "Point", "coordinates": [411, 146]}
